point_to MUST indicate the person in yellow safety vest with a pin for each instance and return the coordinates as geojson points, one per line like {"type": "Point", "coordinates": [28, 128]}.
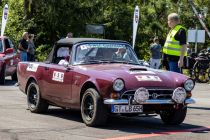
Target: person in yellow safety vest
{"type": "Point", "coordinates": [175, 45]}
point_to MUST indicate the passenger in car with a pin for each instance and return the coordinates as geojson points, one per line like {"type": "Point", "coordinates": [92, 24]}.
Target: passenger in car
{"type": "Point", "coordinates": [63, 54]}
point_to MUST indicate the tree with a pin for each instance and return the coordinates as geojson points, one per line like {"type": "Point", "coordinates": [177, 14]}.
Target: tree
{"type": "Point", "coordinates": [51, 20]}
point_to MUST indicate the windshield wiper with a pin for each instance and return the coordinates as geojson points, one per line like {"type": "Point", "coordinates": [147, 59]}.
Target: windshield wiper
{"type": "Point", "coordinates": [106, 61]}
{"type": "Point", "coordinates": [124, 62]}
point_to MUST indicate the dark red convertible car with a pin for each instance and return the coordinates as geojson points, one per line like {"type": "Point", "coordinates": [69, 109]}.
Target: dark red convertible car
{"type": "Point", "coordinates": [8, 59]}
{"type": "Point", "coordinates": [101, 77]}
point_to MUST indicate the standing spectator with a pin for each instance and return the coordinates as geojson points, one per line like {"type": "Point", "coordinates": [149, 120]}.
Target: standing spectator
{"type": "Point", "coordinates": [31, 48]}
{"type": "Point", "coordinates": [155, 51]}
{"type": "Point", "coordinates": [69, 35]}
{"type": "Point", "coordinates": [176, 43]}
{"type": "Point", "coordinates": [23, 46]}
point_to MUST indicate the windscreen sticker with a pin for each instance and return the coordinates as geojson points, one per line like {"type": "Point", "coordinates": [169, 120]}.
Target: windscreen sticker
{"type": "Point", "coordinates": [88, 46]}
{"type": "Point", "coordinates": [32, 67]}
{"type": "Point", "coordinates": [58, 76]}
{"type": "Point", "coordinates": [148, 78]}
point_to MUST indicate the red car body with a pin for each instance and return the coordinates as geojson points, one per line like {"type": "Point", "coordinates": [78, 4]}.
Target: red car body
{"type": "Point", "coordinates": [71, 85]}
{"type": "Point", "coordinates": [8, 59]}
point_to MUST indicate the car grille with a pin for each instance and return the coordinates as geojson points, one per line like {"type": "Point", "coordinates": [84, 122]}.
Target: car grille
{"type": "Point", "coordinates": [153, 94]}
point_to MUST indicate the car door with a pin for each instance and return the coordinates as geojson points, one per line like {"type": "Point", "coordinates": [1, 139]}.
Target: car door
{"type": "Point", "coordinates": [58, 82]}
{"type": "Point", "coordinates": [9, 55]}
{"type": "Point", "coordinates": [58, 77]}
{"type": "Point", "coordinates": [15, 58]}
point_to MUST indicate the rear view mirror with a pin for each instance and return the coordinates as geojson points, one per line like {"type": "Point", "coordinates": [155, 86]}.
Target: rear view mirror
{"type": "Point", "coordinates": [9, 50]}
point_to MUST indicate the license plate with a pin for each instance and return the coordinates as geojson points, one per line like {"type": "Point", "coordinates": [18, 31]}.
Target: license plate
{"type": "Point", "coordinates": [127, 108]}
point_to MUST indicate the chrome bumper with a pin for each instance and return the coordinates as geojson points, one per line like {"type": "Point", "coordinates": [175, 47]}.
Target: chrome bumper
{"type": "Point", "coordinates": [123, 101]}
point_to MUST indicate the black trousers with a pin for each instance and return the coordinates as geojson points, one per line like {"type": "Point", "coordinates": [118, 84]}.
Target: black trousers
{"type": "Point", "coordinates": [31, 57]}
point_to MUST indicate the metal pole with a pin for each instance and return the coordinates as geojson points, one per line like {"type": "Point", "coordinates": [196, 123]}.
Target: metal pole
{"type": "Point", "coordinates": [198, 16]}
{"type": "Point", "coordinates": [196, 39]}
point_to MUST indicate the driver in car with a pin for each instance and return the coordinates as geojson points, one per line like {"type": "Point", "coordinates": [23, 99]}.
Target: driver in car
{"type": "Point", "coordinates": [120, 54]}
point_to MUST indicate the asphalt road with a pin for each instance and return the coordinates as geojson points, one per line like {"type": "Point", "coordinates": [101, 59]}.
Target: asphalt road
{"type": "Point", "coordinates": [17, 123]}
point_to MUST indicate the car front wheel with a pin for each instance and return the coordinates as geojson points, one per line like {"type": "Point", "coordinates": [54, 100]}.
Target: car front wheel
{"type": "Point", "coordinates": [93, 110]}
{"type": "Point", "coordinates": [35, 103]}
{"type": "Point", "coordinates": [174, 116]}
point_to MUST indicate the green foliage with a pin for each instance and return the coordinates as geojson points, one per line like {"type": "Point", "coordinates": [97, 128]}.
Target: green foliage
{"type": "Point", "coordinates": [51, 20]}
{"type": "Point", "coordinates": [42, 52]}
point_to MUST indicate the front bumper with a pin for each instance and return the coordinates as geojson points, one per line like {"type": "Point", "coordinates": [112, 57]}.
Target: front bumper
{"type": "Point", "coordinates": [124, 101]}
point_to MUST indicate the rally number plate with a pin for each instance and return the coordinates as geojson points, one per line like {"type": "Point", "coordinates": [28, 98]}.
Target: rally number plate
{"type": "Point", "coordinates": [127, 108]}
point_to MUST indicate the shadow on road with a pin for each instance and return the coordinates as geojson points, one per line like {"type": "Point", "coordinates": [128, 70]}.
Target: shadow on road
{"type": "Point", "coordinates": [139, 125]}
{"type": "Point", "coordinates": [68, 114]}
{"type": "Point", "coordinates": [200, 108]}
{"type": "Point", "coordinates": [9, 83]}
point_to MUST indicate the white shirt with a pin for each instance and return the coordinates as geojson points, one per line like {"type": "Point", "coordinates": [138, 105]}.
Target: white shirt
{"type": "Point", "coordinates": [63, 52]}
{"type": "Point", "coordinates": [63, 62]}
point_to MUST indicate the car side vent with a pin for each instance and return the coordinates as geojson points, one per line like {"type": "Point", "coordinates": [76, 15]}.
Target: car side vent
{"type": "Point", "coordinates": [138, 69]}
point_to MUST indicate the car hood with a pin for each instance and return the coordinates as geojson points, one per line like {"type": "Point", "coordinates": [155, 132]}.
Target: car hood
{"type": "Point", "coordinates": [136, 76]}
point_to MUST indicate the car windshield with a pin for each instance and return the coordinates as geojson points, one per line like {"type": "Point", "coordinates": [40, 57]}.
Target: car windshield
{"type": "Point", "coordinates": [90, 53]}
{"type": "Point", "coordinates": [1, 46]}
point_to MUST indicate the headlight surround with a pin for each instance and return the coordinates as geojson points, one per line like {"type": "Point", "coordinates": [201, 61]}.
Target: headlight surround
{"type": "Point", "coordinates": [118, 85]}
{"type": "Point", "coordinates": [189, 85]}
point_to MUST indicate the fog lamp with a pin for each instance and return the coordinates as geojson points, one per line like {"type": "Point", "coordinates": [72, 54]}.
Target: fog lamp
{"type": "Point", "coordinates": [141, 95]}
{"type": "Point", "coordinates": [179, 95]}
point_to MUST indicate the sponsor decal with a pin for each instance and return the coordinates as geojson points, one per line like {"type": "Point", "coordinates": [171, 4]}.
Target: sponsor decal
{"type": "Point", "coordinates": [4, 19]}
{"type": "Point", "coordinates": [32, 67]}
{"type": "Point", "coordinates": [135, 24]}
{"type": "Point", "coordinates": [148, 78]}
{"type": "Point", "coordinates": [58, 76]}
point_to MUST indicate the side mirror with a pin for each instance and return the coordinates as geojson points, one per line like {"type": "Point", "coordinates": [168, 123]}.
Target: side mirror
{"type": "Point", "coordinates": [9, 50]}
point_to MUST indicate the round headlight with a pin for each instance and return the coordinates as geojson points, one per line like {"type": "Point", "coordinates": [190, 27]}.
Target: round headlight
{"type": "Point", "coordinates": [118, 85]}
{"type": "Point", "coordinates": [189, 85]}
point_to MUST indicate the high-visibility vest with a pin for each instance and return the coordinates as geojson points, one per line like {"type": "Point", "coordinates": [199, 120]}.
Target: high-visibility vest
{"type": "Point", "coordinates": [172, 46]}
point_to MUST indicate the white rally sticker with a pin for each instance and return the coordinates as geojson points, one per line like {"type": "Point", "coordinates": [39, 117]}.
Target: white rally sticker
{"type": "Point", "coordinates": [141, 72]}
{"type": "Point", "coordinates": [58, 76]}
{"type": "Point", "coordinates": [32, 67]}
{"type": "Point", "coordinates": [147, 78]}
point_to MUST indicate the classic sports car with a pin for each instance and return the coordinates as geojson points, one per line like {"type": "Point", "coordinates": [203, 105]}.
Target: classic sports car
{"type": "Point", "coordinates": [99, 77]}
{"type": "Point", "coordinates": [8, 59]}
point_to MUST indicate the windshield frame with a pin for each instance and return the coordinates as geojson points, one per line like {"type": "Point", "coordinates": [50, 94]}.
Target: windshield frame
{"type": "Point", "coordinates": [128, 46]}
{"type": "Point", "coordinates": [2, 45]}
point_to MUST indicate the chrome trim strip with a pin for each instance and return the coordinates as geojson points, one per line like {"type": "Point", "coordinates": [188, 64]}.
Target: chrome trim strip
{"type": "Point", "coordinates": [152, 89]}
{"type": "Point", "coordinates": [124, 101]}
{"type": "Point", "coordinates": [190, 101]}
{"type": "Point", "coordinates": [113, 102]}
